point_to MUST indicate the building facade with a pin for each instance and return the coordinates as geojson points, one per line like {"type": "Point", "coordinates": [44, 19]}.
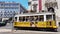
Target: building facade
{"type": "Point", "coordinates": [40, 5]}
{"type": "Point", "coordinates": [10, 9]}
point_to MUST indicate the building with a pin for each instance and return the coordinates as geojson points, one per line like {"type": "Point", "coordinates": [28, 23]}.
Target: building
{"type": "Point", "coordinates": [58, 12]}
{"type": "Point", "coordinates": [41, 5]}
{"type": "Point", "coordinates": [33, 5]}
{"type": "Point", "coordinates": [45, 5]}
{"type": "Point", "coordinates": [10, 9]}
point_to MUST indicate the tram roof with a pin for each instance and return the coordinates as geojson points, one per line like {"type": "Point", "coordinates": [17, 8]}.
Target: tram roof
{"type": "Point", "coordinates": [33, 14]}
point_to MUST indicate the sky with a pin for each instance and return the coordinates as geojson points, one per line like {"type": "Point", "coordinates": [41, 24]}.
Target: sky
{"type": "Point", "coordinates": [22, 2]}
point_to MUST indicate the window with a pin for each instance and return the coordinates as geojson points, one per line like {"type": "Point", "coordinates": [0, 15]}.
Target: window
{"type": "Point", "coordinates": [31, 18]}
{"type": "Point", "coordinates": [35, 18]}
{"type": "Point", "coordinates": [23, 18]}
{"type": "Point", "coordinates": [48, 17]}
{"type": "Point", "coordinates": [35, 7]}
{"type": "Point", "coordinates": [20, 19]}
{"type": "Point", "coordinates": [16, 4]}
{"type": "Point", "coordinates": [1, 7]}
{"type": "Point", "coordinates": [27, 18]}
{"type": "Point", "coordinates": [1, 4]}
{"type": "Point", "coordinates": [41, 18]}
{"type": "Point", "coordinates": [1, 14]}
{"type": "Point", "coordinates": [29, 3]}
{"type": "Point", "coordinates": [7, 4]}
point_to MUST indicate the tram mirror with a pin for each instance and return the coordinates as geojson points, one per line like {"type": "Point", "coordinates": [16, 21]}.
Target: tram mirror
{"type": "Point", "coordinates": [15, 19]}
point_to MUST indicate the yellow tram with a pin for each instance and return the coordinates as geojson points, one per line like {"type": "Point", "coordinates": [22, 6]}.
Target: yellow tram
{"type": "Point", "coordinates": [36, 20]}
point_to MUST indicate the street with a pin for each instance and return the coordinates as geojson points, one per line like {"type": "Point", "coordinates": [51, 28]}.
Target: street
{"type": "Point", "coordinates": [8, 30]}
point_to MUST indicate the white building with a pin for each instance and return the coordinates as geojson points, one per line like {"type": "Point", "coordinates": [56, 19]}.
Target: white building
{"type": "Point", "coordinates": [9, 9]}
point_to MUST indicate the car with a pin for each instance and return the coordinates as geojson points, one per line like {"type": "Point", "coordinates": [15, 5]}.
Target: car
{"type": "Point", "coordinates": [2, 23]}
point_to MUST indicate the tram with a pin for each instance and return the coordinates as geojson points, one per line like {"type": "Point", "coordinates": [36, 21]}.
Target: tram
{"type": "Point", "coordinates": [35, 20]}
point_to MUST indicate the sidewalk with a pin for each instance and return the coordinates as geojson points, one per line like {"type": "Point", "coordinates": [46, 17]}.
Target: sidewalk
{"type": "Point", "coordinates": [5, 30]}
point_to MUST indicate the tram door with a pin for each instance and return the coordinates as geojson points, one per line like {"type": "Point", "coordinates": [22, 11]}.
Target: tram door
{"type": "Point", "coordinates": [49, 20]}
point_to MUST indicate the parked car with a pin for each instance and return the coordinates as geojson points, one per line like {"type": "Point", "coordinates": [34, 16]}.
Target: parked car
{"type": "Point", "coordinates": [5, 21]}
{"type": "Point", "coordinates": [2, 23]}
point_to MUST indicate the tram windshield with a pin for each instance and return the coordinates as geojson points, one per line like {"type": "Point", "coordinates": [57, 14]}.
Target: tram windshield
{"type": "Point", "coordinates": [48, 17]}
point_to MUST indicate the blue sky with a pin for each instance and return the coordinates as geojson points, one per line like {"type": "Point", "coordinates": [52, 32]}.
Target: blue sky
{"type": "Point", "coordinates": [23, 2]}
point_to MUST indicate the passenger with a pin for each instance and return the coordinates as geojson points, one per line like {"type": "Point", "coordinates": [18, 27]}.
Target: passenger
{"type": "Point", "coordinates": [35, 19]}
{"type": "Point", "coordinates": [31, 19]}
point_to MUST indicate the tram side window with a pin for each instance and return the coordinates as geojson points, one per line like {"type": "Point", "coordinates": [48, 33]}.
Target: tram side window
{"type": "Point", "coordinates": [31, 18]}
{"type": "Point", "coordinates": [48, 17]}
{"type": "Point", "coordinates": [23, 18]}
{"type": "Point", "coordinates": [36, 18]}
{"type": "Point", "coordinates": [41, 18]}
{"type": "Point", "coordinates": [20, 18]}
{"type": "Point", "coordinates": [15, 19]}
{"type": "Point", "coordinates": [27, 18]}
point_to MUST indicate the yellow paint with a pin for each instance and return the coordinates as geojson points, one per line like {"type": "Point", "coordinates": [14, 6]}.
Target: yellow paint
{"type": "Point", "coordinates": [38, 24]}
{"type": "Point", "coordinates": [41, 24]}
{"type": "Point", "coordinates": [23, 24]}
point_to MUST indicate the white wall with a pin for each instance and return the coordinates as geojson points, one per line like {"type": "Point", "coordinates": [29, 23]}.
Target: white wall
{"type": "Point", "coordinates": [43, 4]}
{"type": "Point", "coordinates": [57, 12]}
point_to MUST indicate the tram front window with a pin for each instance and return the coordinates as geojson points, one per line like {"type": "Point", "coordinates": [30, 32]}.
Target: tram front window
{"type": "Point", "coordinates": [49, 17]}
